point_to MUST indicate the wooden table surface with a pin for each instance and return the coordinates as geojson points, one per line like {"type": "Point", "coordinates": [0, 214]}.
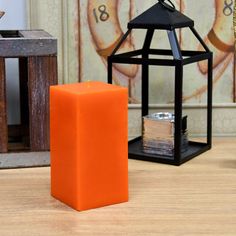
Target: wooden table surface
{"type": "Point", "coordinates": [198, 198]}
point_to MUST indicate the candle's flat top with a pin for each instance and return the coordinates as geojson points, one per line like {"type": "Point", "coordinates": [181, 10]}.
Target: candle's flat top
{"type": "Point", "coordinates": [87, 87]}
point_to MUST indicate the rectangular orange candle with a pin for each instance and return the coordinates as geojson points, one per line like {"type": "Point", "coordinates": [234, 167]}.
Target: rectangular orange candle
{"type": "Point", "coordinates": [89, 144]}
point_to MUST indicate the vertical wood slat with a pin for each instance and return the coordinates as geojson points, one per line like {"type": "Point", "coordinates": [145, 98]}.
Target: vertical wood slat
{"type": "Point", "coordinates": [42, 72]}
{"type": "Point", "coordinates": [3, 109]}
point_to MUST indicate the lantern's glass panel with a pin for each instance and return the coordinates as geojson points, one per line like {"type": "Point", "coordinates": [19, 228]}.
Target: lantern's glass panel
{"type": "Point", "coordinates": [161, 84]}
{"type": "Point", "coordinates": [160, 40]}
{"type": "Point", "coordinates": [164, 57]}
{"type": "Point", "coordinates": [135, 123]}
{"type": "Point", "coordinates": [195, 104]}
{"type": "Point", "coordinates": [189, 41]}
{"type": "Point", "coordinates": [194, 94]}
{"type": "Point", "coordinates": [138, 37]}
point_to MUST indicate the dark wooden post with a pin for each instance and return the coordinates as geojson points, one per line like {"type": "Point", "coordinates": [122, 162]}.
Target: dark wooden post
{"type": "Point", "coordinates": [42, 73]}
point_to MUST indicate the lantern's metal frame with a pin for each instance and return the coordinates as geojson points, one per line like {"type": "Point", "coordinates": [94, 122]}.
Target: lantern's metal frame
{"type": "Point", "coordinates": [187, 57]}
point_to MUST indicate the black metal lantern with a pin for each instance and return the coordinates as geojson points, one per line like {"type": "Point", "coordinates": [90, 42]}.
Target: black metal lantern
{"type": "Point", "coordinates": [164, 16]}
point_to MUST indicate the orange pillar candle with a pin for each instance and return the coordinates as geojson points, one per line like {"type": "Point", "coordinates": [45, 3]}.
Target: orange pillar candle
{"type": "Point", "coordinates": [89, 144]}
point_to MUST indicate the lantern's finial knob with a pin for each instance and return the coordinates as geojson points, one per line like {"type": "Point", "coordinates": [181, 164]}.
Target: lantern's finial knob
{"type": "Point", "coordinates": [170, 5]}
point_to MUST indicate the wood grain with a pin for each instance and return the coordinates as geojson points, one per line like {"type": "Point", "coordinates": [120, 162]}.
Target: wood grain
{"type": "Point", "coordinates": [42, 72]}
{"type": "Point", "coordinates": [3, 109]}
{"type": "Point", "coordinates": [198, 198]}
{"type": "Point", "coordinates": [26, 43]}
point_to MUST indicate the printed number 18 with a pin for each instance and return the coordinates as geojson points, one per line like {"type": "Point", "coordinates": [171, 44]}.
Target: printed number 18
{"type": "Point", "coordinates": [103, 16]}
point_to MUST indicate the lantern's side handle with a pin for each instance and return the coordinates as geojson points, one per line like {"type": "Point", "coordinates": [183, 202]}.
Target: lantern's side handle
{"type": "Point", "coordinates": [200, 39]}
{"type": "Point", "coordinates": [121, 42]}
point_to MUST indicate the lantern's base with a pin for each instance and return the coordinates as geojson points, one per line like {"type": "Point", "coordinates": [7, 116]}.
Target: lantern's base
{"type": "Point", "coordinates": [194, 149]}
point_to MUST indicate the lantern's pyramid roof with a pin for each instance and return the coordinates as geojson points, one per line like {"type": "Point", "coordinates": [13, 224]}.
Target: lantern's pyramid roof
{"type": "Point", "coordinates": [159, 17]}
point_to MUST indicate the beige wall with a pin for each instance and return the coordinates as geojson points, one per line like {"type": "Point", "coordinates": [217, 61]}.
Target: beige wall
{"type": "Point", "coordinates": [60, 18]}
